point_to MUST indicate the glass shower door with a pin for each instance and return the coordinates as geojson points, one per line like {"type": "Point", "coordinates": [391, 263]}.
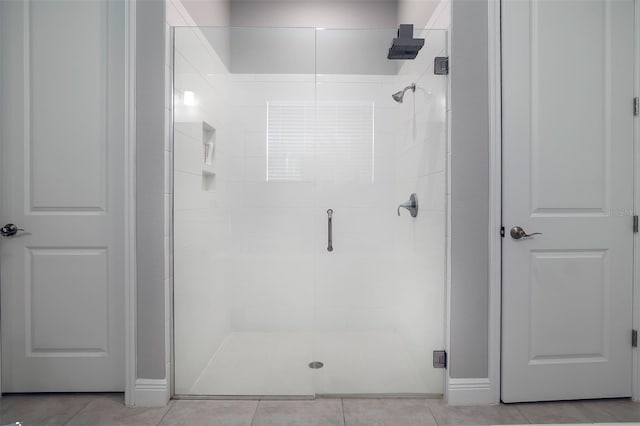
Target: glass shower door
{"type": "Point", "coordinates": [379, 295]}
{"type": "Point", "coordinates": [244, 211]}
{"type": "Point", "coordinates": [274, 130]}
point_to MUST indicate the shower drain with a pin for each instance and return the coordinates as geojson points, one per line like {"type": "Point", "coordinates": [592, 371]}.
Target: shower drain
{"type": "Point", "coordinates": [315, 365]}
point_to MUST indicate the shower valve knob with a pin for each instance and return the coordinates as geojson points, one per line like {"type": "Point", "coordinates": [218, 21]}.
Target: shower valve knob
{"type": "Point", "coordinates": [411, 205]}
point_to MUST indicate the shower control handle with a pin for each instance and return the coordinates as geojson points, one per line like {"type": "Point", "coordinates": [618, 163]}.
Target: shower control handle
{"type": "Point", "coordinates": [329, 230]}
{"type": "Point", "coordinates": [411, 205]}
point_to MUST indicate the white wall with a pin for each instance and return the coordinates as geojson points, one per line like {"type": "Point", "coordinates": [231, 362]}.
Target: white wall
{"type": "Point", "coordinates": [272, 252]}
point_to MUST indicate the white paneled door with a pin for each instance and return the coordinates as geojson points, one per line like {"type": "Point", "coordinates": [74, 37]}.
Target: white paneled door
{"type": "Point", "coordinates": [61, 165]}
{"type": "Point", "coordinates": [567, 174]}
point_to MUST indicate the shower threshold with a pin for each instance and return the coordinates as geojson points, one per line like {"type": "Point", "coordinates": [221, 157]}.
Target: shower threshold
{"type": "Point", "coordinates": [311, 397]}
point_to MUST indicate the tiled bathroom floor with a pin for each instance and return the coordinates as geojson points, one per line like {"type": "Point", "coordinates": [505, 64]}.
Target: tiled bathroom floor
{"type": "Point", "coordinates": [108, 409]}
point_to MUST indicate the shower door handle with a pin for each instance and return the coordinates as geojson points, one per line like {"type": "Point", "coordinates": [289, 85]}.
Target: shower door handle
{"type": "Point", "coordinates": [329, 230]}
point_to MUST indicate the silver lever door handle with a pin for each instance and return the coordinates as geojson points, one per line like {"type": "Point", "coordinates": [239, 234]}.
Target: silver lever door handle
{"type": "Point", "coordinates": [518, 233]}
{"type": "Point", "coordinates": [329, 230]}
{"type": "Point", "coordinates": [9, 230]}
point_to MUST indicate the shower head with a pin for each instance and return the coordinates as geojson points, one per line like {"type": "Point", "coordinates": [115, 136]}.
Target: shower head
{"type": "Point", "coordinates": [405, 46]}
{"type": "Point", "coordinates": [399, 96]}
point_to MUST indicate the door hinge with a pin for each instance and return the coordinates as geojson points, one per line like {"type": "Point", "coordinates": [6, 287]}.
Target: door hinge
{"type": "Point", "coordinates": [636, 106]}
{"type": "Point", "coordinates": [502, 231]}
{"type": "Point", "coordinates": [635, 223]}
{"type": "Point", "coordinates": [634, 338]}
{"type": "Point", "coordinates": [441, 65]}
{"type": "Point", "coordinates": [439, 359]}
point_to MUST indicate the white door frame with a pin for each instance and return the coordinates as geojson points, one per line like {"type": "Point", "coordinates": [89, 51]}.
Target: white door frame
{"type": "Point", "coordinates": [635, 389]}
{"type": "Point", "coordinates": [495, 195]}
{"type": "Point", "coordinates": [129, 202]}
{"type": "Point", "coordinates": [130, 264]}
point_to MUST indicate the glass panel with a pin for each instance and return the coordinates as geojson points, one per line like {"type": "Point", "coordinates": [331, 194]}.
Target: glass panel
{"type": "Point", "coordinates": [274, 127]}
{"type": "Point", "coordinates": [379, 298]}
{"type": "Point", "coordinates": [244, 210]}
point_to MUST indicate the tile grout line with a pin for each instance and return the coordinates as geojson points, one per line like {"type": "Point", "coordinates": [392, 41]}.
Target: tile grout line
{"type": "Point", "coordinates": [435, 419]}
{"type": "Point", "coordinates": [344, 418]}
{"type": "Point", "coordinates": [522, 413]}
{"type": "Point", "coordinates": [78, 412]}
{"type": "Point", "coordinates": [613, 414]}
{"type": "Point", "coordinates": [254, 412]}
{"type": "Point", "coordinates": [172, 403]}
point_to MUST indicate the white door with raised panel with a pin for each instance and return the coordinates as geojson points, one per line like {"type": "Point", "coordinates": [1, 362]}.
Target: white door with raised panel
{"type": "Point", "coordinates": [568, 174]}
{"type": "Point", "coordinates": [61, 165]}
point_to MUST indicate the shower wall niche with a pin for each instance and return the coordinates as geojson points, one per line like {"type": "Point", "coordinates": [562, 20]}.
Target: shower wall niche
{"type": "Point", "coordinates": [257, 296]}
{"type": "Point", "coordinates": [193, 136]}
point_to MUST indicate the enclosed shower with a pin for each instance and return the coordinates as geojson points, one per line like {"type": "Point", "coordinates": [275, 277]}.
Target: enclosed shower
{"type": "Point", "coordinates": [309, 213]}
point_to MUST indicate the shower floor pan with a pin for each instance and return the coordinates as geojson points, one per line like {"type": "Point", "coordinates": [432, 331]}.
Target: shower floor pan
{"type": "Point", "coordinates": [277, 364]}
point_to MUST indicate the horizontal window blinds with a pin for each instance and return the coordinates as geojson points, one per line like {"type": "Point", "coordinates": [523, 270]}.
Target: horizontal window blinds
{"type": "Point", "coordinates": [328, 141]}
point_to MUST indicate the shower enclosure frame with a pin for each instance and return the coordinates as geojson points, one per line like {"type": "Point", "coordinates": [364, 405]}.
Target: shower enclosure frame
{"type": "Point", "coordinates": [171, 330]}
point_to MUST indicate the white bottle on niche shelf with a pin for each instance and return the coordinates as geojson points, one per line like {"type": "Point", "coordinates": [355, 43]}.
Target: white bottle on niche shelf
{"type": "Point", "coordinates": [208, 156]}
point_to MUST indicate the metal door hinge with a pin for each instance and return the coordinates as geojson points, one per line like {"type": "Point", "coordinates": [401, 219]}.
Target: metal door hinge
{"type": "Point", "coordinates": [634, 338]}
{"type": "Point", "coordinates": [441, 65]}
{"type": "Point", "coordinates": [635, 223]}
{"type": "Point", "coordinates": [636, 106]}
{"type": "Point", "coordinates": [502, 231]}
{"type": "Point", "coordinates": [439, 359]}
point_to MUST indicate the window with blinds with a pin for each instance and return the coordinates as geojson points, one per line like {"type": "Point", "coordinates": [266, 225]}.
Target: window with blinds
{"type": "Point", "coordinates": [345, 141]}
{"type": "Point", "coordinates": [336, 137]}
{"type": "Point", "coordinates": [290, 141]}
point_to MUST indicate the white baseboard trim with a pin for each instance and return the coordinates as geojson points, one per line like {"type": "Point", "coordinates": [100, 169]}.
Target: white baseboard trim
{"type": "Point", "coordinates": [470, 392]}
{"type": "Point", "coordinates": [151, 393]}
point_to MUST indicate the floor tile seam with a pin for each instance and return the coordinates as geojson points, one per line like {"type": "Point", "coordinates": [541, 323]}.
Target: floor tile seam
{"type": "Point", "coordinates": [78, 412]}
{"type": "Point", "coordinates": [433, 416]}
{"type": "Point", "coordinates": [344, 417]}
{"type": "Point", "coordinates": [172, 403]}
{"type": "Point", "coordinates": [255, 411]}
{"type": "Point", "coordinates": [615, 416]}
{"type": "Point", "coordinates": [522, 413]}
